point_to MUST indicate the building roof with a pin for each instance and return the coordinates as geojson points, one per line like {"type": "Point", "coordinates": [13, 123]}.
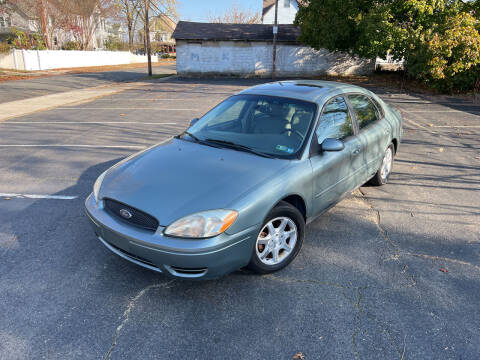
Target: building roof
{"type": "Point", "coordinates": [268, 4]}
{"type": "Point", "coordinates": [234, 32]}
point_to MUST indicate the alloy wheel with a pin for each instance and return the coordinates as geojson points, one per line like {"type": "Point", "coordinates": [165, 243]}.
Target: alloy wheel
{"type": "Point", "coordinates": [276, 240]}
{"type": "Point", "coordinates": [387, 163]}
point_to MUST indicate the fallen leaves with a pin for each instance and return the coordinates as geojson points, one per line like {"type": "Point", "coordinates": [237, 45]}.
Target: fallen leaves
{"type": "Point", "coordinates": [7, 198]}
{"type": "Point", "coordinates": [443, 270]}
{"type": "Point", "coordinates": [299, 356]}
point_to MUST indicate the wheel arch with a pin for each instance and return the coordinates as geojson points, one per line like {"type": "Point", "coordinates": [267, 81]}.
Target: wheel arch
{"type": "Point", "coordinates": [395, 145]}
{"type": "Point", "coordinates": [296, 201]}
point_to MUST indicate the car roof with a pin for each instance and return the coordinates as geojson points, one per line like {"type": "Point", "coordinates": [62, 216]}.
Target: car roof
{"type": "Point", "coordinates": [307, 90]}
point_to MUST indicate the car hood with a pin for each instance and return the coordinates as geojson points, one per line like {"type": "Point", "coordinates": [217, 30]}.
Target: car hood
{"type": "Point", "coordinates": [178, 178]}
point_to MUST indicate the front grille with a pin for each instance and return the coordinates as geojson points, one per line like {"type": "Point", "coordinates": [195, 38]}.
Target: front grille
{"type": "Point", "coordinates": [138, 218]}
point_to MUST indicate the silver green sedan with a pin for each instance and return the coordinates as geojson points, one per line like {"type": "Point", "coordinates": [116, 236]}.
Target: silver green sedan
{"type": "Point", "coordinates": [238, 187]}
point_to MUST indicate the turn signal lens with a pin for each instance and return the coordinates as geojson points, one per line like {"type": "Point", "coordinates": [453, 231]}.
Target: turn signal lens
{"type": "Point", "coordinates": [203, 224]}
{"type": "Point", "coordinates": [97, 186]}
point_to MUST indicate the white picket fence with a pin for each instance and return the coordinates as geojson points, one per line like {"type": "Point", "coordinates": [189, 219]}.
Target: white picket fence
{"type": "Point", "coordinates": [57, 59]}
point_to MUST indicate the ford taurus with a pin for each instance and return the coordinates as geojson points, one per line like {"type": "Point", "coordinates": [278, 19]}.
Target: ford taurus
{"type": "Point", "coordinates": [238, 187]}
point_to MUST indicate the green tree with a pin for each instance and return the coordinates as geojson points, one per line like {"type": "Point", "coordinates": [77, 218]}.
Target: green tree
{"type": "Point", "coordinates": [438, 39]}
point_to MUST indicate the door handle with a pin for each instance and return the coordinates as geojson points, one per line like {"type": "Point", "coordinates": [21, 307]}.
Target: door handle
{"type": "Point", "coordinates": [356, 151]}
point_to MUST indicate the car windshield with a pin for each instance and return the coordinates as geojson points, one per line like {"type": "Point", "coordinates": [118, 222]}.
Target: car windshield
{"type": "Point", "coordinates": [275, 126]}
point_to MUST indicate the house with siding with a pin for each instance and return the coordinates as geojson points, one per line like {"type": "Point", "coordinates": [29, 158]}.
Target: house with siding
{"type": "Point", "coordinates": [287, 9]}
{"type": "Point", "coordinates": [17, 16]}
{"type": "Point", "coordinates": [20, 16]}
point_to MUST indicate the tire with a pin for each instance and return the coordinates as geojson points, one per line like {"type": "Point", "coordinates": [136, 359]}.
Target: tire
{"type": "Point", "coordinates": [272, 253]}
{"type": "Point", "coordinates": [384, 171]}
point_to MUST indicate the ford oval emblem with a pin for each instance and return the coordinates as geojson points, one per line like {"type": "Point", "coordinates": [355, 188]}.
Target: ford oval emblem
{"type": "Point", "coordinates": [125, 213]}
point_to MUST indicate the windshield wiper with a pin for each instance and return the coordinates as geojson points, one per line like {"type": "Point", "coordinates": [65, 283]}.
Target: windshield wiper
{"type": "Point", "coordinates": [196, 139]}
{"type": "Point", "coordinates": [189, 134]}
{"type": "Point", "coordinates": [240, 147]}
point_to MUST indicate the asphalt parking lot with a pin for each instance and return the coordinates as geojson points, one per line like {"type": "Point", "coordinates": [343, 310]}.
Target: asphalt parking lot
{"type": "Point", "coordinates": [389, 273]}
{"type": "Point", "coordinates": [24, 89]}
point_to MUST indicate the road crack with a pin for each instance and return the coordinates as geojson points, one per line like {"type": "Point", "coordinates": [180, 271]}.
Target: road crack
{"type": "Point", "coordinates": [128, 310]}
{"type": "Point", "coordinates": [308, 281]}
{"type": "Point", "coordinates": [381, 229]}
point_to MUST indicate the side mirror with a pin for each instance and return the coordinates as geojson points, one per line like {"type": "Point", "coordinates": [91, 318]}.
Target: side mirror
{"type": "Point", "coordinates": [194, 121]}
{"type": "Point", "coordinates": [332, 145]}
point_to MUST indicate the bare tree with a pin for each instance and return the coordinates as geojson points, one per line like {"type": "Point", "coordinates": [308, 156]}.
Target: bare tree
{"type": "Point", "coordinates": [236, 15]}
{"type": "Point", "coordinates": [129, 10]}
{"type": "Point", "coordinates": [82, 18]}
{"type": "Point", "coordinates": [148, 8]}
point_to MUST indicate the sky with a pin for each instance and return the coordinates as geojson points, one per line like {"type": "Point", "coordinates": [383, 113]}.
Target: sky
{"type": "Point", "coordinates": [199, 10]}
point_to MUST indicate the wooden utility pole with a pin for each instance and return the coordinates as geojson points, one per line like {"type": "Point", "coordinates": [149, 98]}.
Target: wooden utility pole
{"type": "Point", "coordinates": [43, 15]}
{"type": "Point", "coordinates": [147, 35]}
{"type": "Point", "coordinates": [275, 33]}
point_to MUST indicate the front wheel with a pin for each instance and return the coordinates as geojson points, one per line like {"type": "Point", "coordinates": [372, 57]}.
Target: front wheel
{"type": "Point", "coordinates": [383, 173]}
{"type": "Point", "coordinates": [279, 239]}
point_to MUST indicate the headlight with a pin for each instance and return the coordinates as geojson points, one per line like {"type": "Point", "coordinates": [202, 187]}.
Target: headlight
{"type": "Point", "coordinates": [97, 185]}
{"type": "Point", "coordinates": [203, 224]}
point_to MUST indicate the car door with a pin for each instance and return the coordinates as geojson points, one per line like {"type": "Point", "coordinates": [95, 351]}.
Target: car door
{"type": "Point", "coordinates": [374, 130]}
{"type": "Point", "coordinates": [335, 172]}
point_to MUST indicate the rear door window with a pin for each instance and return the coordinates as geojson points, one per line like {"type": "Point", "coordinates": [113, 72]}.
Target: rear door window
{"type": "Point", "coordinates": [365, 111]}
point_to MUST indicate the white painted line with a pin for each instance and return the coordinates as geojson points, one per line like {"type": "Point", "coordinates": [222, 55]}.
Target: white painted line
{"type": "Point", "coordinates": [33, 196]}
{"type": "Point", "coordinates": [122, 100]}
{"type": "Point", "coordinates": [439, 111]}
{"type": "Point", "coordinates": [123, 108]}
{"type": "Point", "coordinates": [416, 124]}
{"type": "Point", "coordinates": [86, 122]}
{"type": "Point", "coordinates": [135, 147]}
{"type": "Point", "coordinates": [456, 126]}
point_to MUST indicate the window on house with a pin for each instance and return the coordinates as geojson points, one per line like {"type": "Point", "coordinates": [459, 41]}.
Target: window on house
{"type": "Point", "coordinates": [286, 3]}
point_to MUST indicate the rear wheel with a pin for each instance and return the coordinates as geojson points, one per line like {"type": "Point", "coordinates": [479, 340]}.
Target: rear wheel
{"type": "Point", "coordinates": [279, 239]}
{"type": "Point", "coordinates": [383, 173]}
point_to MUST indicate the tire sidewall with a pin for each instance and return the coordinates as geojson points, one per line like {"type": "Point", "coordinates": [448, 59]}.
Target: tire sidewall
{"type": "Point", "coordinates": [384, 181]}
{"type": "Point", "coordinates": [286, 210]}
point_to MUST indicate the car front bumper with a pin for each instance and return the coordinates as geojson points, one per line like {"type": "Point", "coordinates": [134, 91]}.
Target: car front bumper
{"type": "Point", "coordinates": [176, 257]}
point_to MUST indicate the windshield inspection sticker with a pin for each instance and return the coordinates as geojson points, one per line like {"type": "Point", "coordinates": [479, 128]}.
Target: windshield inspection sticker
{"type": "Point", "coordinates": [284, 149]}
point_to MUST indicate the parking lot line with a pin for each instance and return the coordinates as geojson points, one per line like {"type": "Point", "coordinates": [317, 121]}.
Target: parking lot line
{"type": "Point", "coordinates": [135, 147]}
{"type": "Point", "coordinates": [440, 111]}
{"type": "Point", "coordinates": [36, 196]}
{"type": "Point", "coordinates": [152, 99]}
{"type": "Point", "coordinates": [456, 126]}
{"type": "Point", "coordinates": [123, 108]}
{"type": "Point", "coordinates": [86, 122]}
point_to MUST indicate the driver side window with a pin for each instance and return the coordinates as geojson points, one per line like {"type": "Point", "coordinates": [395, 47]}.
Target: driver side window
{"type": "Point", "coordinates": [335, 121]}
